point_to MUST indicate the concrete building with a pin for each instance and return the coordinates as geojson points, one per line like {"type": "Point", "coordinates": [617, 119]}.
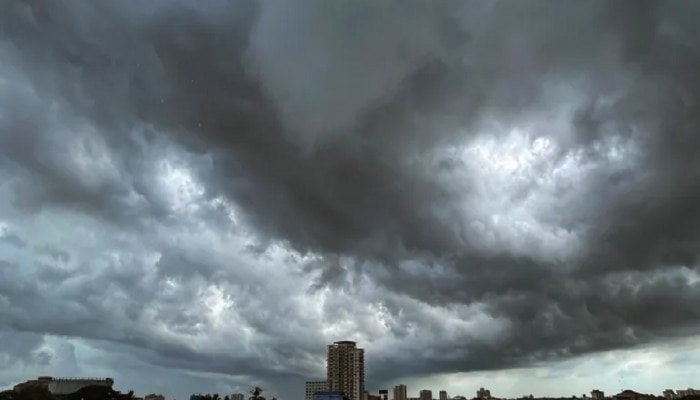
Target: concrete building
{"type": "Point", "coordinates": [345, 369]}
{"type": "Point", "coordinates": [313, 387]}
{"type": "Point", "coordinates": [443, 395]}
{"type": "Point", "coordinates": [631, 395]}
{"type": "Point", "coordinates": [687, 392]}
{"type": "Point", "coordinates": [483, 394]}
{"type": "Point", "coordinates": [425, 394]}
{"type": "Point", "coordinates": [64, 386]}
{"type": "Point", "coordinates": [329, 395]}
{"type": "Point", "coordinates": [237, 396]}
{"type": "Point", "coordinates": [669, 394]}
{"type": "Point", "coordinates": [597, 394]}
{"type": "Point", "coordinates": [383, 394]}
{"type": "Point", "coordinates": [400, 392]}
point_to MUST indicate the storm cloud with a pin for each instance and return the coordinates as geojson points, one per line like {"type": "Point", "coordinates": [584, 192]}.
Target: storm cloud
{"type": "Point", "coordinates": [223, 188]}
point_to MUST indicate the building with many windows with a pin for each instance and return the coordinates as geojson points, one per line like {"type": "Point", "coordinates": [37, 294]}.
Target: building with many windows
{"type": "Point", "coordinates": [329, 395]}
{"type": "Point", "coordinates": [345, 369]}
{"type": "Point", "coordinates": [315, 386]}
{"type": "Point", "coordinates": [400, 392]}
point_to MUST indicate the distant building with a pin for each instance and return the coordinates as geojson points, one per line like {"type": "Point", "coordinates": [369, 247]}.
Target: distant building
{"type": "Point", "coordinates": [238, 396]}
{"type": "Point", "coordinates": [63, 386]}
{"type": "Point", "coordinates": [483, 394]}
{"type": "Point", "coordinates": [443, 395]}
{"type": "Point", "coordinates": [383, 394]}
{"type": "Point", "coordinates": [400, 392]}
{"type": "Point", "coordinates": [313, 387]}
{"type": "Point", "coordinates": [425, 394]}
{"type": "Point", "coordinates": [669, 394]}
{"type": "Point", "coordinates": [329, 395]}
{"type": "Point", "coordinates": [597, 394]}
{"type": "Point", "coordinates": [631, 395]}
{"type": "Point", "coordinates": [687, 392]}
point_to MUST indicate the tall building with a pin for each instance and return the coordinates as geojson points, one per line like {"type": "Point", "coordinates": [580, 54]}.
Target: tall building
{"type": "Point", "coordinates": [400, 392]}
{"type": "Point", "coordinates": [315, 386]}
{"type": "Point", "coordinates": [426, 394]}
{"type": "Point", "coordinates": [483, 394]}
{"type": "Point", "coordinates": [597, 395]}
{"type": "Point", "coordinates": [443, 395]}
{"type": "Point", "coordinates": [383, 394]}
{"type": "Point", "coordinates": [346, 369]}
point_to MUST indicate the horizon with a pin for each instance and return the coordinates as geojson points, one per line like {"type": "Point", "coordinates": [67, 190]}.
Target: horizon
{"type": "Point", "coordinates": [200, 196]}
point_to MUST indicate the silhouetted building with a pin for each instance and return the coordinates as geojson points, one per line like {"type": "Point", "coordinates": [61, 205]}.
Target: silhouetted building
{"type": "Point", "coordinates": [631, 395]}
{"type": "Point", "coordinates": [383, 394]}
{"type": "Point", "coordinates": [597, 394]}
{"type": "Point", "coordinates": [345, 369]}
{"type": "Point", "coordinates": [237, 396]}
{"type": "Point", "coordinates": [483, 394]}
{"type": "Point", "coordinates": [425, 394]}
{"type": "Point", "coordinates": [687, 392]}
{"type": "Point", "coordinates": [64, 386]}
{"type": "Point", "coordinates": [400, 392]}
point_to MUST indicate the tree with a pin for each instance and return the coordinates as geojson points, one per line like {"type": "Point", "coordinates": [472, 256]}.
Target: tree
{"type": "Point", "coordinates": [256, 394]}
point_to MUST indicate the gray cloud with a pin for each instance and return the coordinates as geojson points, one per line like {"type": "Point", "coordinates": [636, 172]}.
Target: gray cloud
{"type": "Point", "coordinates": [529, 165]}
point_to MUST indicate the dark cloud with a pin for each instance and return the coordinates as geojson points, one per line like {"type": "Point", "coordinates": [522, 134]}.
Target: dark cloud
{"type": "Point", "coordinates": [342, 132]}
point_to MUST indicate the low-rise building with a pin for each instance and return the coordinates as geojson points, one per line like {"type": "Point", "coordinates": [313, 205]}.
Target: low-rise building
{"type": "Point", "coordinates": [65, 386]}
{"type": "Point", "coordinates": [631, 395]}
{"type": "Point", "coordinates": [329, 395]}
{"type": "Point", "coordinates": [315, 386]}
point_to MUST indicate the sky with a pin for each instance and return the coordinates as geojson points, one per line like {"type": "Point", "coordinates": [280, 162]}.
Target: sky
{"type": "Point", "coordinates": [200, 196]}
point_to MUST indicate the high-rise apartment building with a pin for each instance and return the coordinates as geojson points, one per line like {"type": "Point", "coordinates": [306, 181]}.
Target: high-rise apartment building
{"type": "Point", "coordinates": [315, 386]}
{"type": "Point", "coordinates": [443, 395]}
{"type": "Point", "coordinates": [426, 394]}
{"type": "Point", "coordinates": [383, 394]}
{"type": "Point", "coordinates": [400, 392]}
{"type": "Point", "coordinates": [345, 368]}
{"type": "Point", "coordinates": [483, 394]}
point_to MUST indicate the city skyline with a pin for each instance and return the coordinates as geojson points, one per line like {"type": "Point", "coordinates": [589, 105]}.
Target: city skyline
{"type": "Point", "coordinates": [315, 390]}
{"type": "Point", "coordinates": [200, 196]}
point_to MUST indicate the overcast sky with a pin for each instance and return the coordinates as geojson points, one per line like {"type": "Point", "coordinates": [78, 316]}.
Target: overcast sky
{"type": "Point", "coordinates": [200, 196]}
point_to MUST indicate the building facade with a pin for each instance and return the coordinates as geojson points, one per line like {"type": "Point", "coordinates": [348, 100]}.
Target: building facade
{"type": "Point", "coordinates": [443, 395]}
{"type": "Point", "coordinates": [345, 369]}
{"type": "Point", "coordinates": [425, 394]}
{"type": "Point", "coordinates": [383, 394]}
{"type": "Point", "coordinates": [400, 392]}
{"type": "Point", "coordinates": [63, 386]}
{"type": "Point", "coordinates": [483, 394]}
{"type": "Point", "coordinates": [237, 396]}
{"type": "Point", "coordinates": [329, 395]}
{"type": "Point", "coordinates": [597, 394]}
{"type": "Point", "coordinates": [315, 386]}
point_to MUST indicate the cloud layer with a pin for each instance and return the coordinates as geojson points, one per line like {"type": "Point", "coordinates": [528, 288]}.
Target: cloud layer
{"type": "Point", "coordinates": [225, 188]}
